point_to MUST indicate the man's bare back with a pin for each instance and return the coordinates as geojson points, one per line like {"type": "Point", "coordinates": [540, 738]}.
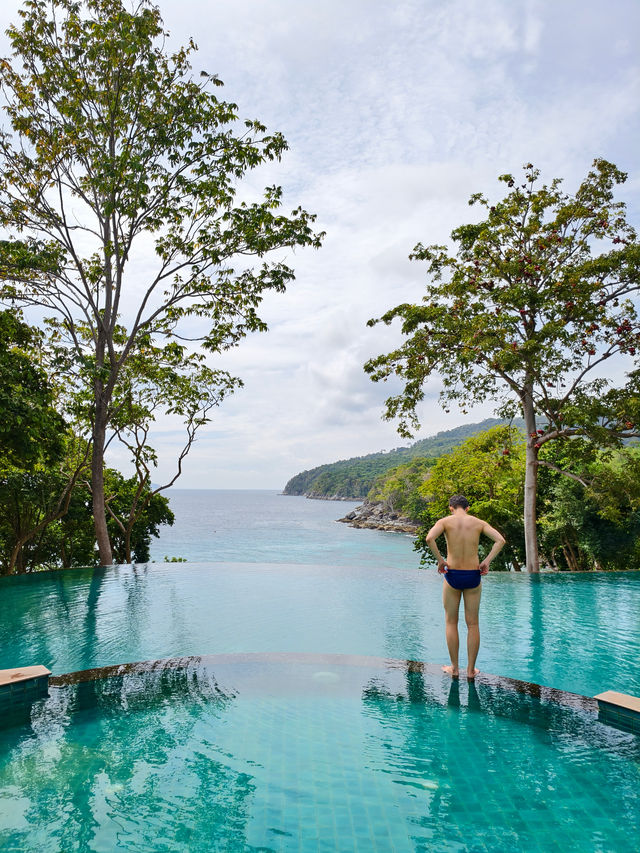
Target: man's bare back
{"type": "Point", "coordinates": [462, 570]}
{"type": "Point", "coordinates": [462, 532]}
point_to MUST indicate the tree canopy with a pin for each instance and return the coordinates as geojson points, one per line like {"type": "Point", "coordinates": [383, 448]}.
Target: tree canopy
{"type": "Point", "coordinates": [40, 462]}
{"type": "Point", "coordinates": [31, 429]}
{"type": "Point", "coordinates": [489, 470]}
{"type": "Point", "coordinates": [537, 297]}
{"type": "Point", "coordinates": [45, 507]}
{"type": "Point", "coordinates": [118, 154]}
{"type": "Point", "coordinates": [588, 521]}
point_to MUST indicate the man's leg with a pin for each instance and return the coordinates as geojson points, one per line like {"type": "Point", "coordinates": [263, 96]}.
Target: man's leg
{"type": "Point", "coordinates": [451, 600]}
{"type": "Point", "coordinates": [471, 611]}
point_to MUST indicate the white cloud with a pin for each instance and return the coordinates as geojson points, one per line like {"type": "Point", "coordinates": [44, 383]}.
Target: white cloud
{"type": "Point", "coordinates": [395, 113]}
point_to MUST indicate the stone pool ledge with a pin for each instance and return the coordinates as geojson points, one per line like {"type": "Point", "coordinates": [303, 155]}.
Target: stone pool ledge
{"type": "Point", "coordinates": [19, 688]}
{"type": "Point", "coordinates": [22, 686]}
{"type": "Point", "coordinates": [620, 710]}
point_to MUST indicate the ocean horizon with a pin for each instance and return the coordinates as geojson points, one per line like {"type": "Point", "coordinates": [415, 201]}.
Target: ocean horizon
{"type": "Point", "coordinates": [265, 526]}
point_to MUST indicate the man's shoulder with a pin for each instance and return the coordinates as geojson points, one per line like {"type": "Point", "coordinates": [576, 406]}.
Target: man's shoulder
{"type": "Point", "coordinates": [452, 521]}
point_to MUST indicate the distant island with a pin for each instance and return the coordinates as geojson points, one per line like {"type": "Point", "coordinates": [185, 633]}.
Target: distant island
{"type": "Point", "coordinates": [352, 479]}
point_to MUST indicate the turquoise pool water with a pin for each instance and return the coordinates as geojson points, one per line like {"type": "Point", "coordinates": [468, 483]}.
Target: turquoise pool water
{"type": "Point", "coordinates": [306, 755]}
{"type": "Point", "coordinates": [574, 632]}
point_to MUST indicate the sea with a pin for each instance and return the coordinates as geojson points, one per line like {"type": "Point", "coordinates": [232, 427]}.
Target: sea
{"type": "Point", "coordinates": [265, 526]}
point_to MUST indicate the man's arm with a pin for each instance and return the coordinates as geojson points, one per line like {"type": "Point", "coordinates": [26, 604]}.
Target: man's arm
{"type": "Point", "coordinates": [498, 544]}
{"type": "Point", "coordinates": [432, 535]}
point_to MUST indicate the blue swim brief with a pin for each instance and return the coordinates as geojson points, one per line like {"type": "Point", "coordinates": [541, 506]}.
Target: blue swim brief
{"type": "Point", "coordinates": [463, 578]}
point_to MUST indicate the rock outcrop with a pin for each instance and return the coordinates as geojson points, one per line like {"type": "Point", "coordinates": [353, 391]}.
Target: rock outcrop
{"type": "Point", "coordinates": [374, 515]}
{"type": "Point", "coordinates": [316, 497]}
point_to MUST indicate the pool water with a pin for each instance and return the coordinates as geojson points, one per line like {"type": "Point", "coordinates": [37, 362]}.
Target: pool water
{"type": "Point", "coordinates": [313, 754]}
{"type": "Point", "coordinates": [576, 632]}
{"type": "Point", "coordinates": [279, 737]}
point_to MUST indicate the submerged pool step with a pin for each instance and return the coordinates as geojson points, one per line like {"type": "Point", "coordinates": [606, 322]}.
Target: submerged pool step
{"type": "Point", "coordinates": [20, 687]}
{"type": "Point", "coordinates": [620, 710]}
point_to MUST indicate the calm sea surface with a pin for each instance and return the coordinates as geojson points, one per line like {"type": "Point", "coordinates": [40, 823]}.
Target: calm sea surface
{"type": "Point", "coordinates": [267, 527]}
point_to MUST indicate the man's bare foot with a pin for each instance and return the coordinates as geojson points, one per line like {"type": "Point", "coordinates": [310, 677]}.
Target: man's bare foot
{"type": "Point", "coordinates": [472, 673]}
{"type": "Point", "coordinates": [451, 670]}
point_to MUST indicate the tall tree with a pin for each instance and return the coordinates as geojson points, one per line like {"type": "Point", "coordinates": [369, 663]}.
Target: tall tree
{"type": "Point", "coordinates": [536, 298]}
{"type": "Point", "coordinates": [117, 148]}
{"type": "Point", "coordinates": [157, 381]}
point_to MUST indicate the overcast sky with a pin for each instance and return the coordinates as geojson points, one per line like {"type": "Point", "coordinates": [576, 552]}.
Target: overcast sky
{"type": "Point", "coordinates": [395, 112]}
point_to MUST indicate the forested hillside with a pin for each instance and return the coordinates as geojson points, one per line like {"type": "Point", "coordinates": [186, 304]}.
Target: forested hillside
{"type": "Point", "coordinates": [590, 520]}
{"type": "Point", "coordinates": [352, 478]}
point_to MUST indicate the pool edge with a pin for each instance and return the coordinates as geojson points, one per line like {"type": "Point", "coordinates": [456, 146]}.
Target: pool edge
{"type": "Point", "coordinates": [552, 694]}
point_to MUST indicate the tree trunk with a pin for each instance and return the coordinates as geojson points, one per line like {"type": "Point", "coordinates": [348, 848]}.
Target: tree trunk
{"type": "Point", "coordinates": [127, 544]}
{"type": "Point", "coordinates": [569, 556]}
{"type": "Point", "coordinates": [16, 563]}
{"type": "Point", "coordinates": [97, 488]}
{"type": "Point", "coordinates": [530, 481]}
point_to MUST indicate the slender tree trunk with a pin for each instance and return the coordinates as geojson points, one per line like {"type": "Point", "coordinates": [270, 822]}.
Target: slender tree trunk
{"type": "Point", "coordinates": [127, 543]}
{"type": "Point", "coordinates": [576, 565]}
{"type": "Point", "coordinates": [16, 564]}
{"type": "Point", "coordinates": [97, 486]}
{"type": "Point", "coordinates": [569, 556]}
{"type": "Point", "coordinates": [530, 481]}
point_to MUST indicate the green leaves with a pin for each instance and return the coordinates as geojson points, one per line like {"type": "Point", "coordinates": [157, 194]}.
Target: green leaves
{"type": "Point", "coordinates": [115, 145]}
{"type": "Point", "coordinates": [31, 430]}
{"type": "Point", "coordinates": [592, 519]}
{"type": "Point", "coordinates": [524, 296]}
{"type": "Point", "coordinates": [102, 113]}
{"type": "Point", "coordinates": [488, 469]}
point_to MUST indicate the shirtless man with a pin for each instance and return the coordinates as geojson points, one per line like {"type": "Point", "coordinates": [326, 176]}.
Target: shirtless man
{"type": "Point", "coordinates": [462, 572]}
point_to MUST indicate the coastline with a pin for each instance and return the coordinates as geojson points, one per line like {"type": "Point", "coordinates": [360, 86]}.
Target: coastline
{"type": "Point", "coordinates": [317, 497]}
{"type": "Point", "coordinates": [369, 515]}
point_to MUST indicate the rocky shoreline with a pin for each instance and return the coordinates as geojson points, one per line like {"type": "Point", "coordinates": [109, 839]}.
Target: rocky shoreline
{"type": "Point", "coordinates": [313, 497]}
{"type": "Point", "coordinates": [373, 515]}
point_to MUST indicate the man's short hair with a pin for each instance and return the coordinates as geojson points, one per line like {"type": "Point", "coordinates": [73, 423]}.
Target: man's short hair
{"type": "Point", "coordinates": [458, 501]}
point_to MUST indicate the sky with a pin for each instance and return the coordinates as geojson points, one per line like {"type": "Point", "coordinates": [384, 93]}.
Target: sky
{"type": "Point", "coordinates": [395, 113]}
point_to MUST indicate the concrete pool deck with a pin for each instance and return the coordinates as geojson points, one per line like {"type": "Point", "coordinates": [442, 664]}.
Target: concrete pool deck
{"type": "Point", "coordinates": [620, 710]}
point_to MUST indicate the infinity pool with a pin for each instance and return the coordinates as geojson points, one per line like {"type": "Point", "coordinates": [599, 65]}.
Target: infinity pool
{"type": "Point", "coordinates": [289, 715]}
{"type": "Point", "coordinates": [576, 632]}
